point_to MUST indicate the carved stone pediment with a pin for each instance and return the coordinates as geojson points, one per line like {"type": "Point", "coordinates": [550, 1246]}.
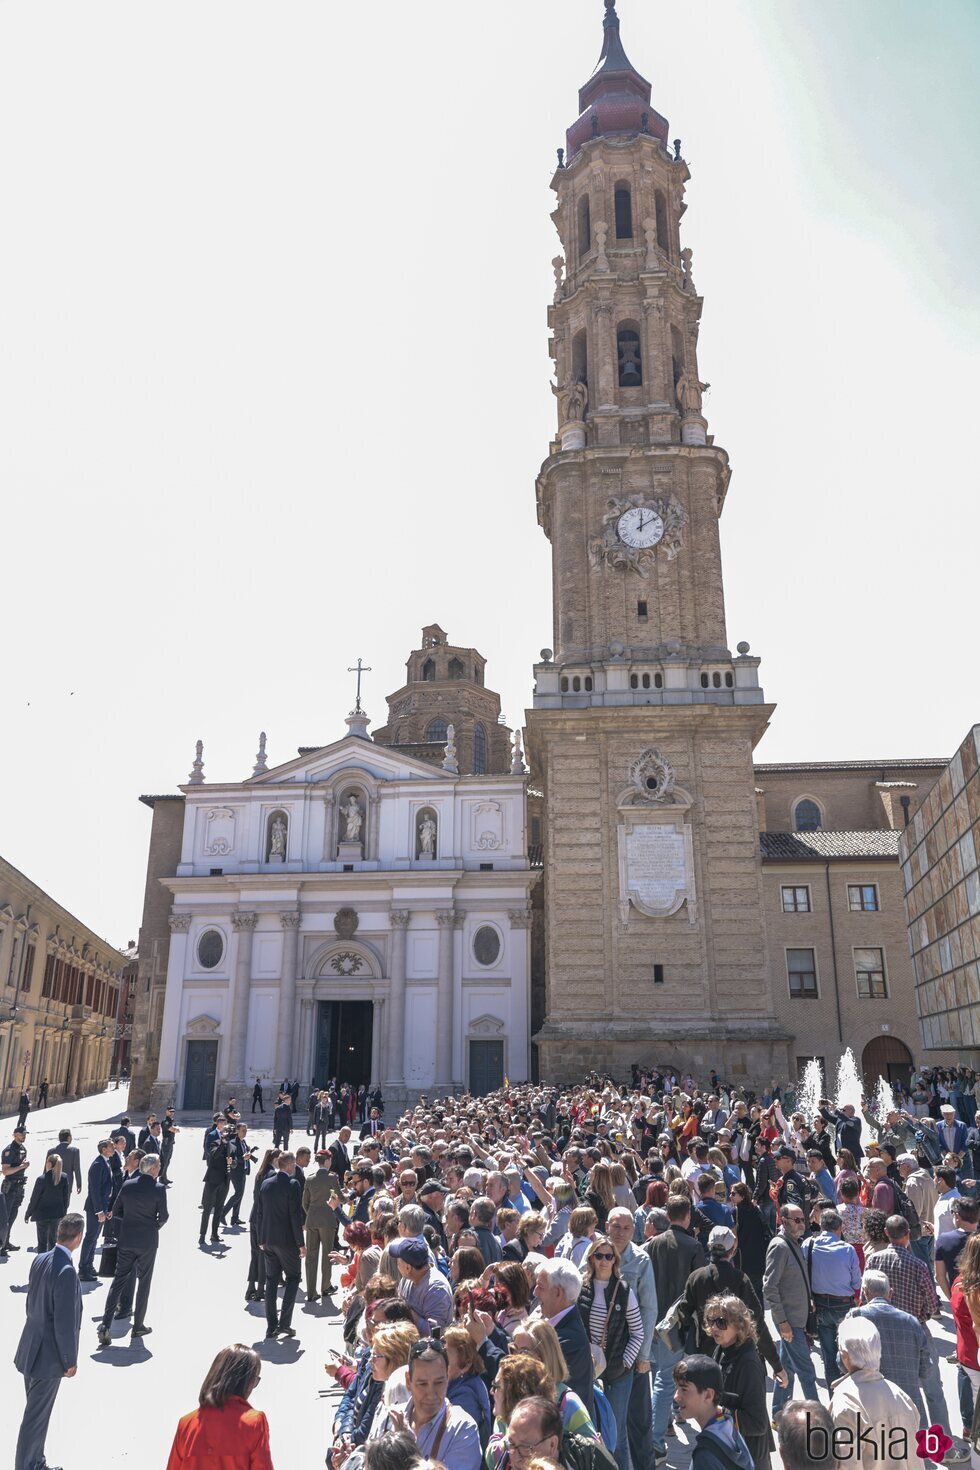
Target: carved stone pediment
{"type": "Point", "coordinates": [203, 1026]}
{"type": "Point", "coordinates": [487, 1026]}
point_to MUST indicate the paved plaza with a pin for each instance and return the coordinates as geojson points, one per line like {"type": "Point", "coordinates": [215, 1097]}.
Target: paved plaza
{"type": "Point", "coordinates": [124, 1403]}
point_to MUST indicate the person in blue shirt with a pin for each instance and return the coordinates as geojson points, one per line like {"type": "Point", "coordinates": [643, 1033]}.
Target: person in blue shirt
{"type": "Point", "coordinates": [820, 1174]}
{"type": "Point", "coordinates": [835, 1278]}
{"type": "Point", "coordinates": [716, 1212]}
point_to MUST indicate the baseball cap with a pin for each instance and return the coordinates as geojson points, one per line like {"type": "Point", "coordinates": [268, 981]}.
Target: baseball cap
{"type": "Point", "coordinates": [414, 1253]}
{"type": "Point", "coordinates": [786, 1152]}
{"type": "Point", "coordinates": [432, 1186]}
{"type": "Point", "coordinates": [721, 1240]}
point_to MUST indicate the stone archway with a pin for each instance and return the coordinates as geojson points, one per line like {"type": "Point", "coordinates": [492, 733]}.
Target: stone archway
{"type": "Point", "coordinates": [886, 1056]}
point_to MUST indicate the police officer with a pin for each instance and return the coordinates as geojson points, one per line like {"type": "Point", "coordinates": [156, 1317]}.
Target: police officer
{"type": "Point", "coordinates": [169, 1131]}
{"type": "Point", "coordinates": [14, 1164]}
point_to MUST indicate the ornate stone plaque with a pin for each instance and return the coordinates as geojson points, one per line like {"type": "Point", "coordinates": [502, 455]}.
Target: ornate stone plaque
{"type": "Point", "coordinates": [656, 868]}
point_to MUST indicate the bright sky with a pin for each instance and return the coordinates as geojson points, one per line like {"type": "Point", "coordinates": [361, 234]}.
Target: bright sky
{"type": "Point", "coordinates": [274, 378]}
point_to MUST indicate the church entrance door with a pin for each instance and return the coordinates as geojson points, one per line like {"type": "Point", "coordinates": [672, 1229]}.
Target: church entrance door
{"type": "Point", "coordinates": [343, 1042]}
{"type": "Point", "coordinates": [202, 1061]}
{"type": "Point", "coordinates": [486, 1067]}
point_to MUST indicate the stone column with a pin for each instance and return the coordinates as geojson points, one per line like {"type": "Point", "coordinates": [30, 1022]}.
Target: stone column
{"type": "Point", "coordinates": [304, 1054]}
{"type": "Point", "coordinates": [167, 1066]}
{"type": "Point", "coordinates": [75, 1072]}
{"type": "Point", "coordinates": [448, 921]}
{"type": "Point", "coordinates": [395, 1067]}
{"type": "Point", "coordinates": [287, 993]}
{"type": "Point", "coordinates": [375, 1041]}
{"type": "Point", "coordinates": [244, 926]}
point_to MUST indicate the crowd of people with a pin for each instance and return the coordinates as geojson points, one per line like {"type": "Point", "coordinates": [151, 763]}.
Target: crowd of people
{"type": "Point", "coordinates": [562, 1277]}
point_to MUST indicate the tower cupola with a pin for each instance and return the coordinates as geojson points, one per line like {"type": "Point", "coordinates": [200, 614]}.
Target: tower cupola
{"type": "Point", "coordinates": [615, 99]}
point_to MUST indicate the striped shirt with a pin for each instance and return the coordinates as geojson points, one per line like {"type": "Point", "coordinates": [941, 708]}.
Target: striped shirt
{"type": "Point", "coordinates": [634, 1322]}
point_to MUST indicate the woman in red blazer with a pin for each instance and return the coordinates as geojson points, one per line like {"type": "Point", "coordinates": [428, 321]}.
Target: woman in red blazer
{"type": "Point", "coordinates": [225, 1433]}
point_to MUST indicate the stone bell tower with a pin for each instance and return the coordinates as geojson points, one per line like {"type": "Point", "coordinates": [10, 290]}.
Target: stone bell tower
{"type": "Point", "coordinates": [643, 722]}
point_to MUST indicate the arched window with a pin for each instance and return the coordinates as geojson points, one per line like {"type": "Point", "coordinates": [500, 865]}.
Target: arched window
{"type": "Point", "coordinates": [663, 235]}
{"type": "Point", "coordinates": [677, 354]}
{"type": "Point", "coordinates": [479, 750]}
{"type": "Point", "coordinates": [806, 816]}
{"type": "Point", "coordinates": [729, 681]}
{"type": "Point", "coordinates": [436, 732]}
{"type": "Point", "coordinates": [705, 681]}
{"type": "Point", "coordinates": [634, 681]}
{"type": "Point", "coordinates": [456, 670]}
{"type": "Point", "coordinates": [628, 354]}
{"type": "Point", "coordinates": [624, 212]}
{"type": "Point", "coordinates": [716, 680]}
{"type": "Point", "coordinates": [646, 681]}
{"type": "Point", "coordinates": [584, 226]}
{"type": "Point", "coordinates": [658, 681]}
{"type": "Point", "coordinates": [429, 670]}
{"type": "Point", "coordinates": [576, 684]}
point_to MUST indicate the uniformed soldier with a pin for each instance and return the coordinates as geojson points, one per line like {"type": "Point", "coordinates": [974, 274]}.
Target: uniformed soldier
{"type": "Point", "coordinates": [14, 1165]}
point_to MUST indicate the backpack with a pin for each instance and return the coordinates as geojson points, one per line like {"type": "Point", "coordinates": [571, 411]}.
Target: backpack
{"type": "Point", "coordinates": [905, 1208]}
{"type": "Point", "coordinates": [605, 1419]}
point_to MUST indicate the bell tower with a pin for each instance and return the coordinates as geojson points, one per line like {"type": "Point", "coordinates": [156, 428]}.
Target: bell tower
{"type": "Point", "coordinates": [644, 721]}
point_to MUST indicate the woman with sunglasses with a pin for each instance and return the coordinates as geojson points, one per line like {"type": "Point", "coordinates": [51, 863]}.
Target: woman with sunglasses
{"type": "Point", "coordinates": [728, 1321]}
{"type": "Point", "coordinates": [612, 1320]}
{"type": "Point", "coordinates": [390, 1347]}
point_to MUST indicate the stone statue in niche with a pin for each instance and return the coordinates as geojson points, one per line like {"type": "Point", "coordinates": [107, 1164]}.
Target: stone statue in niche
{"type": "Point", "coordinates": [689, 390]}
{"type": "Point", "coordinates": [353, 818]}
{"type": "Point", "coordinates": [427, 836]}
{"type": "Point", "coordinates": [573, 400]}
{"type": "Point", "coordinates": [277, 840]}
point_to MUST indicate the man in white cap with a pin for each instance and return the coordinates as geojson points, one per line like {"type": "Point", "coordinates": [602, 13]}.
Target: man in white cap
{"type": "Point", "coordinates": [951, 1132]}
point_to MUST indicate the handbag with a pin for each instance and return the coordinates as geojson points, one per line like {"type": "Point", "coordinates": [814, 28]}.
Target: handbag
{"type": "Point", "coordinates": [671, 1326]}
{"type": "Point", "coordinates": [108, 1259]}
{"type": "Point", "coordinates": [598, 1349]}
{"type": "Point", "coordinates": [811, 1317]}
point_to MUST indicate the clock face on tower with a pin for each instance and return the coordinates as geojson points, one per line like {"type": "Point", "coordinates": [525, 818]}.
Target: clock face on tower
{"type": "Point", "coordinates": [640, 527]}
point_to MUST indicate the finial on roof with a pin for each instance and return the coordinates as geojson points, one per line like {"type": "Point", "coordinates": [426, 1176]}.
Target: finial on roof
{"type": "Point", "coordinates": [357, 722]}
{"type": "Point", "coordinates": [261, 763]}
{"type": "Point", "coordinates": [450, 762]}
{"type": "Point", "coordinates": [196, 777]}
{"type": "Point", "coordinates": [517, 759]}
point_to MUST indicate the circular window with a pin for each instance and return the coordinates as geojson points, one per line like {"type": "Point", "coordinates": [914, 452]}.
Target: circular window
{"type": "Point", "coordinates": [486, 945]}
{"type": "Point", "coordinates": [210, 948]}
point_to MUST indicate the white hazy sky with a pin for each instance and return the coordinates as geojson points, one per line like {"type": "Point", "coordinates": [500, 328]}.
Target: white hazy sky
{"type": "Point", "coordinates": [274, 372]}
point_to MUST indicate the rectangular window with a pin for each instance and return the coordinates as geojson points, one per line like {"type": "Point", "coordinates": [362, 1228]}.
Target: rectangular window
{"type": "Point", "coordinates": [641, 611]}
{"type": "Point", "coordinates": [796, 900]}
{"type": "Point", "coordinates": [862, 898]}
{"type": "Point", "coordinates": [48, 982]}
{"type": "Point", "coordinates": [801, 968]}
{"type": "Point", "coordinates": [658, 974]}
{"type": "Point", "coordinates": [28, 967]}
{"type": "Point", "coordinates": [869, 969]}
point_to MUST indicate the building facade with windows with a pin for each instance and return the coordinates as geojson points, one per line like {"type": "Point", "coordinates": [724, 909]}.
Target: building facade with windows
{"type": "Point", "coordinates": [839, 957]}
{"type": "Point", "coordinates": [939, 853]}
{"type": "Point", "coordinates": [356, 913]}
{"type": "Point", "coordinates": [60, 997]}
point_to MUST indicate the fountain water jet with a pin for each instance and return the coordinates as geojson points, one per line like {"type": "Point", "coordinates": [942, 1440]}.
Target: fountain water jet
{"type": "Point", "coordinates": [810, 1089]}
{"type": "Point", "coordinates": [850, 1089]}
{"type": "Point", "coordinates": [884, 1100]}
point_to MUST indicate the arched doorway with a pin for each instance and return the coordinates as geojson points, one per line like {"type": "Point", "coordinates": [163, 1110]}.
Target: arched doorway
{"type": "Point", "coordinates": [886, 1056]}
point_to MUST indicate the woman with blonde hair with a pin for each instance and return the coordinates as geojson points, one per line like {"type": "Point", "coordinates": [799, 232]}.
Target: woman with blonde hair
{"type": "Point", "coordinates": [731, 1326]}
{"type": "Point", "coordinates": [599, 1192]}
{"type": "Point", "coordinates": [390, 1350]}
{"type": "Point", "coordinates": [519, 1377]}
{"type": "Point", "coordinates": [49, 1202]}
{"type": "Point", "coordinates": [224, 1429]}
{"type": "Point", "coordinates": [611, 1316]}
{"type": "Point", "coordinates": [622, 1193]}
{"type": "Point", "coordinates": [581, 1229]}
{"type": "Point", "coordinates": [538, 1339]}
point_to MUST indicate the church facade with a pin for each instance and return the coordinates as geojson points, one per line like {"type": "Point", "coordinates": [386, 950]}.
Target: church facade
{"type": "Point", "coordinates": [357, 913]}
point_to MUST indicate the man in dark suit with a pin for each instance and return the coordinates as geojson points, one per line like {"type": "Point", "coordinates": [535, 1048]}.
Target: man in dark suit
{"type": "Point", "coordinates": [169, 1131]}
{"type": "Point", "coordinates": [220, 1163]}
{"type": "Point", "coordinates": [557, 1287]}
{"type": "Point", "coordinates": [257, 1096]}
{"type": "Point", "coordinates": [71, 1164]}
{"type": "Point", "coordinates": [240, 1170]}
{"type": "Point", "coordinates": [48, 1347]}
{"type": "Point", "coordinates": [339, 1155]}
{"type": "Point", "coordinates": [23, 1108]}
{"type": "Point", "coordinates": [283, 1244]}
{"type": "Point", "coordinates": [373, 1126]}
{"type": "Point", "coordinates": [98, 1208]}
{"type": "Point", "coordinates": [322, 1119]}
{"type": "Point", "coordinates": [146, 1131]}
{"type": "Point", "coordinates": [848, 1127]}
{"type": "Point", "coordinates": [124, 1128]}
{"type": "Point", "coordinates": [282, 1122]}
{"type": "Point", "coordinates": [140, 1212]}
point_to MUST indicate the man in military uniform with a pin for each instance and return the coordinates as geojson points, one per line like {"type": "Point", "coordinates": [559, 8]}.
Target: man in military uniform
{"type": "Point", "coordinates": [14, 1165]}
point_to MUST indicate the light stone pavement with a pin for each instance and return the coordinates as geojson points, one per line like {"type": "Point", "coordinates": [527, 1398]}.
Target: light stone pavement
{"type": "Point", "coordinates": [127, 1416]}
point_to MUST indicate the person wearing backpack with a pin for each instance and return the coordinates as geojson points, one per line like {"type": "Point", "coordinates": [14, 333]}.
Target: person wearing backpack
{"type": "Point", "coordinates": [835, 1280]}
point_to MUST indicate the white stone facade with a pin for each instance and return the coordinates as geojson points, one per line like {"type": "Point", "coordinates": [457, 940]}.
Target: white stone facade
{"type": "Point", "coordinates": [269, 928]}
